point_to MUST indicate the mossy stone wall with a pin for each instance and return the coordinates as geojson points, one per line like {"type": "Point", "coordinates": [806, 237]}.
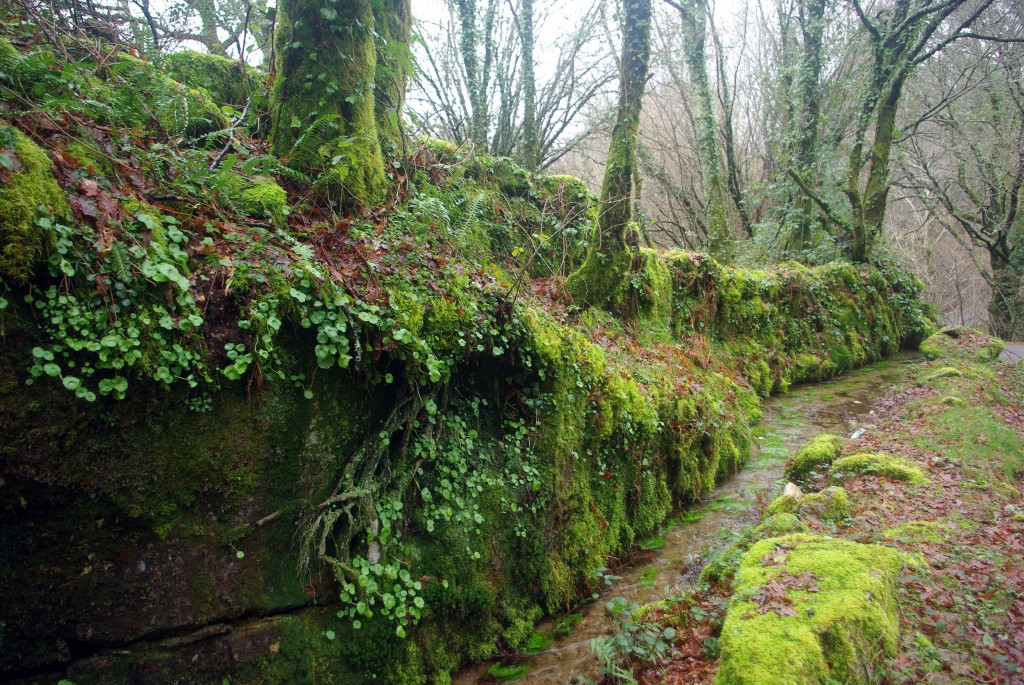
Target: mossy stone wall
{"type": "Point", "coordinates": [170, 522]}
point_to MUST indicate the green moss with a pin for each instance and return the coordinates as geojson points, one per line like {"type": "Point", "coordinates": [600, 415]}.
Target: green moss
{"type": "Point", "coordinates": [974, 435]}
{"type": "Point", "coordinates": [324, 104]}
{"type": "Point", "coordinates": [880, 464]}
{"type": "Point", "coordinates": [963, 342]}
{"type": "Point", "coordinates": [9, 58]}
{"type": "Point", "coordinates": [933, 375]}
{"type": "Point", "coordinates": [178, 109]}
{"type": "Point", "coordinates": [29, 187]}
{"type": "Point", "coordinates": [226, 81]}
{"type": "Point", "coordinates": [91, 159]}
{"type": "Point", "coordinates": [784, 504]}
{"type": "Point", "coordinates": [539, 642]}
{"type": "Point", "coordinates": [918, 531]}
{"type": "Point", "coordinates": [819, 451]}
{"type": "Point", "coordinates": [508, 674]}
{"type": "Point", "coordinates": [782, 523]}
{"type": "Point", "coordinates": [510, 179]}
{"type": "Point", "coordinates": [831, 504]}
{"type": "Point", "coordinates": [839, 633]}
{"type": "Point", "coordinates": [258, 197]}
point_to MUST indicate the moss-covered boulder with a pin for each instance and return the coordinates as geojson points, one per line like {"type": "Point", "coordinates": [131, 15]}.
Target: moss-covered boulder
{"type": "Point", "coordinates": [177, 109]}
{"type": "Point", "coordinates": [227, 81]}
{"type": "Point", "coordinates": [783, 504]}
{"type": "Point", "coordinates": [961, 341]}
{"type": "Point", "coordinates": [808, 610]}
{"type": "Point", "coordinates": [819, 451]}
{"type": "Point", "coordinates": [258, 197]}
{"type": "Point", "coordinates": [932, 375]}
{"type": "Point", "coordinates": [781, 524]}
{"type": "Point", "coordinates": [26, 185]}
{"type": "Point", "coordinates": [831, 504]}
{"type": "Point", "coordinates": [880, 464]}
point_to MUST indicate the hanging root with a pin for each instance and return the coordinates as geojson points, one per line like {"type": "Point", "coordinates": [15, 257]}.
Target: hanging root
{"type": "Point", "coordinates": [378, 470]}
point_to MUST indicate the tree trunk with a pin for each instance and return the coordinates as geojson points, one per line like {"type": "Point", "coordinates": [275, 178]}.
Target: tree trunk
{"type": "Point", "coordinates": [1005, 308]}
{"type": "Point", "coordinates": [324, 92]}
{"type": "Point", "coordinates": [617, 188]}
{"type": "Point", "coordinates": [876, 191]}
{"type": "Point", "coordinates": [394, 64]}
{"type": "Point", "coordinates": [207, 12]}
{"type": "Point", "coordinates": [694, 14]}
{"type": "Point", "coordinates": [530, 145]}
{"type": "Point", "coordinates": [469, 42]}
{"type": "Point", "coordinates": [812, 25]}
{"type": "Point", "coordinates": [611, 258]}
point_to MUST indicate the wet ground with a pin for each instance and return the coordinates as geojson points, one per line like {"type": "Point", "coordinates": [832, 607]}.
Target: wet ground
{"type": "Point", "coordinates": [673, 560]}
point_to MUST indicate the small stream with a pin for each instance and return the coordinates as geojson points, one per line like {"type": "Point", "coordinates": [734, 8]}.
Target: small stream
{"type": "Point", "coordinates": [838, 406]}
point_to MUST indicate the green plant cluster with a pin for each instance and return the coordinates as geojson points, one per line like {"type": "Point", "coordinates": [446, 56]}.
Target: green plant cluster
{"type": "Point", "coordinates": [795, 323]}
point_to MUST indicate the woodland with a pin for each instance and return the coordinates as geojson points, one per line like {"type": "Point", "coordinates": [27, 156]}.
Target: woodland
{"type": "Point", "coordinates": [380, 341]}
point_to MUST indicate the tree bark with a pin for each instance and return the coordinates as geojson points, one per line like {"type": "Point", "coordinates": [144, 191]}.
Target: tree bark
{"type": "Point", "coordinates": [324, 93]}
{"type": "Point", "coordinates": [530, 145]}
{"type": "Point", "coordinates": [694, 15]}
{"type": "Point", "coordinates": [1005, 306]}
{"type": "Point", "coordinates": [613, 256]}
{"type": "Point", "coordinates": [617, 187]}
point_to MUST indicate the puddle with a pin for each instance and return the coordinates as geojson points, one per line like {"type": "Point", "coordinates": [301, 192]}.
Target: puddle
{"type": "Point", "coordinates": [563, 645]}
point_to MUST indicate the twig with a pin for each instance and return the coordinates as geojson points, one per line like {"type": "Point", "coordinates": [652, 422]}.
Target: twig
{"type": "Point", "coordinates": [231, 135]}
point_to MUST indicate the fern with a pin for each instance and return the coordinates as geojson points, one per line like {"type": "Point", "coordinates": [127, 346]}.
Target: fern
{"type": "Point", "coordinates": [322, 128]}
{"type": "Point", "coordinates": [471, 213]}
{"type": "Point", "coordinates": [431, 210]}
{"type": "Point", "coordinates": [119, 262]}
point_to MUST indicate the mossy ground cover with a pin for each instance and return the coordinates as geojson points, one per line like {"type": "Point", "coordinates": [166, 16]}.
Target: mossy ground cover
{"type": "Point", "coordinates": [945, 552]}
{"type": "Point", "coordinates": [224, 403]}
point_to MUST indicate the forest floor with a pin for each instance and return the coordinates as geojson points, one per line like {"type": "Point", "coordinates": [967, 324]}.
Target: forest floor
{"type": "Point", "coordinates": [960, 594]}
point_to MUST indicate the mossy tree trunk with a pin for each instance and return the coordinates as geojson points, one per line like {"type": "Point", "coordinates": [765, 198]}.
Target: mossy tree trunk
{"type": "Point", "coordinates": [530, 146]}
{"type": "Point", "coordinates": [617, 187]}
{"type": "Point", "coordinates": [812, 27]}
{"type": "Point", "coordinates": [394, 65]}
{"type": "Point", "coordinates": [901, 38]}
{"type": "Point", "coordinates": [326, 91]}
{"type": "Point", "coordinates": [610, 258]}
{"type": "Point", "coordinates": [1006, 306]}
{"type": "Point", "coordinates": [694, 16]}
{"type": "Point", "coordinates": [477, 70]}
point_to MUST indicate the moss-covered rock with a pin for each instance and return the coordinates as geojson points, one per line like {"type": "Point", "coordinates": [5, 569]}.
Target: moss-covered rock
{"type": "Point", "coordinates": [258, 197]}
{"type": "Point", "coordinates": [961, 341]}
{"type": "Point", "coordinates": [932, 375]}
{"type": "Point", "coordinates": [835, 622]}
{"type": "Point", "coordinates": [29, 186]}
{"type": "Point", "coordinates": [831, 504]}
{"type": "Point", "coordinates": [819, 451]}
{"type": "Point", "coordinates": [879, 464]}
{"type": "Point", "coordinates": [227, 81]}
{"type": "Point", "coordinates": [781, 524]}
{"type": "Point", "coordinates": [783, 504]}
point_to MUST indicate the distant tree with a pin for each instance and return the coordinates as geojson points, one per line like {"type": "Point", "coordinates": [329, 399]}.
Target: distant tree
{"type": "Point", "coordinates": [530, 147]}
{"type": "Point", "coordinates": [965, 163]}
{"type": "Point", "coordinates": [694, 15]}
{"type": "Point", "coordinates": [478, 84]}
{"type": "Point", "coordinates": [900, 37]}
